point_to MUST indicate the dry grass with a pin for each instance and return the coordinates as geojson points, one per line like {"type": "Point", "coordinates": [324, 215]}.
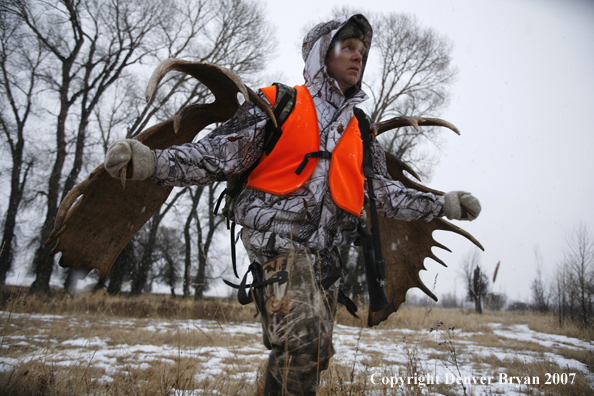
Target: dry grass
{"type": "Point", "coordinates": [159, 379]}
{"type": "Point", "coordinates": [187, 335]}
{"type": "Point", "coordinates": [16, 299]}
{"type": "Point", "coordinates": [468, 321]}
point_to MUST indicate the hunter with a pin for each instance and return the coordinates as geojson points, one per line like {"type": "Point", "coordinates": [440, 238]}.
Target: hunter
{"type": "Point", "coordinates": [304, 198]}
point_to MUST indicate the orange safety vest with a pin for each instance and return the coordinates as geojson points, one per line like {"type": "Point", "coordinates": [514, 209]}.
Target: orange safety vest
{"type": "Point", "coordinates": [275, 173]}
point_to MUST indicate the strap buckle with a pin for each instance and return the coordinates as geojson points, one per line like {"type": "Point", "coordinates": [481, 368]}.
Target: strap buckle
{"type": "Point", "coordinates": [280, 277]}
{"type": "Point", "coordinates": [316, 154]}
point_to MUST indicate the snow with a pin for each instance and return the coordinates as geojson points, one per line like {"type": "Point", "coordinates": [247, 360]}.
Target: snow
{"type": "Point", "coordinates": [354, 349]}
{"type": "Point", "coordinates": [521, 332]}
{"type": "Point", "coordinates": [86, 342]}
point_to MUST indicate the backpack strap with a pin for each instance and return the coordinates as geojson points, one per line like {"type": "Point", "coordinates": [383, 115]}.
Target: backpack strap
{"type": "Point", "coordinates": [283, 106]}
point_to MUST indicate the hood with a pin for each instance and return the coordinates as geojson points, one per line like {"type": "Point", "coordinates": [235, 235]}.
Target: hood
{"type": "Point", "coordinates": [315, 47]}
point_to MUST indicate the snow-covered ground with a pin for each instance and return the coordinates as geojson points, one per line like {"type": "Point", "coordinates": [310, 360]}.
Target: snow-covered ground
{"type": "Point", "coordinates": [377, 356]}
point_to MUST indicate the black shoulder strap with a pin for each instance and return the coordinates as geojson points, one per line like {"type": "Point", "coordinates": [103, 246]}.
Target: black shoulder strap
{"type": "Point", "coordinates": [365, 129]}
{"type": "Point", "coordinates": [284, 103]}
{"type": "Point", "coordinates": [283, 107]}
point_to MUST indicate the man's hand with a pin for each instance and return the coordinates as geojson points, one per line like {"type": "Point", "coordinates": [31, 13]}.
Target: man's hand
{"type": "Point", "coordinates": [461, 205]}
{"type": "Point", "coordinates": [130, 153]}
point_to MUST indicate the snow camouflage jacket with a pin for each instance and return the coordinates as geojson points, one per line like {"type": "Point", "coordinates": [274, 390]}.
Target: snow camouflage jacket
{"type": "Point", "coordinates": [307, 217]}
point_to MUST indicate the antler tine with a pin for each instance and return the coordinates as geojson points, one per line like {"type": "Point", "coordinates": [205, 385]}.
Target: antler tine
{"type": "Point", "coordinates": [441, 246]}
{"type": "Point", "coordinates": [68, 201]}
{"type": "Point", "coordinates": [396, 165]}
{"type": "Point", "coordinates": [437, 259]}
{"type": "Point", "coordinates": [156, 78]}
{"type": "Point", "coordinates": [399, 122]}
{"type": "Point", "coordinates": [444, 225]}
{"type": "Point", "coordinates": [425, 290]}
{"type": "Point", "coordinates": [66, 204]}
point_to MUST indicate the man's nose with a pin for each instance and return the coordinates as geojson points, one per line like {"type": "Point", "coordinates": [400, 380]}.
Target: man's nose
{"type": "Point", "coordinates": [357, 56]}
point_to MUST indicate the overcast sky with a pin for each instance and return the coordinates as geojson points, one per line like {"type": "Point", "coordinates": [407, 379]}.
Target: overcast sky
{"type": "Point", "coordinates": [524, 102]}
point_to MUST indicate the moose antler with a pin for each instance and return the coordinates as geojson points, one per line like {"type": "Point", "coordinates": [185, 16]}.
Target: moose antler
{"type": "Point", "coordinates": [223, 83]}
{"type": "Point", "coordinates": [97, 218]}
{"type": "Point", "coordinates": [405, 245]}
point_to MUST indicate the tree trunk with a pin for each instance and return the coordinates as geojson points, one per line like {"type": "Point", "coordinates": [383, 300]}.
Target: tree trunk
{"type": "Point", "coordinates": [478, 290]}
{"type": "Point", "coordinates": [16, 195]}
{"type": "Point", "coordinates": [43, 262]}
{"type": "Point", "coordinates": [6, 254]}
{"type": "Point", "coordinates": [171, 275]}
{"type": "Point", "coordinates": [141, 277]}
{"type": "Point", "coordinates": [201, 283]}
{"type": "Point", "coordinates": [120, 269]}
{"type": "Point", "coordinates": [200, 280]}
{"type": "Point", "coordinates": [146, 262]}
{"type": "Point", "coordinates": [188, 242]}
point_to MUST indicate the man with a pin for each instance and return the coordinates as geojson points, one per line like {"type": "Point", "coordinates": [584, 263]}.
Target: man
{"type": "Point", "coordinates": [294, 219]}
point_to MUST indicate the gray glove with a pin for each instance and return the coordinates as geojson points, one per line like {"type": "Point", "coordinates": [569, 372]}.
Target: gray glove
{"type": "Point", "coordinates": [125, 151]}
{"type": "Point", "coordinates": [461, 205]}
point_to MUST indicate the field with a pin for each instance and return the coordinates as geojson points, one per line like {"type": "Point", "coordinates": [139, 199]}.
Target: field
{"type": "Point", "coordinates": [94, 344]}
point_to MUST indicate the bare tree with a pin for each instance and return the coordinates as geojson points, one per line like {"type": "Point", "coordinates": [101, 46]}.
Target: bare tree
{"type": "Point", "coordinates": [20, 59]}
{"type": "Point", "coordinates": [574, 280]}
{"type": "Point", "coordinates": [168, 253]}
{"type": "Point", "coordinates": [229, 33]}
{"type": "Point", "coordinates": [354, 267]}
{"type": "Point", "coordinates": [476, 289]}
{"type": "Point", "coordinates": [206, 233]}
{"type": "Point", "coordinates": [560, 292]}
{"type": "Point", "coordinates": [476, 280]}
{"type": "Point", "coordinates": [195, 196]}
{"type": "Point", "coordinates": [540, 295]}
{"type": "Point", "coordinates": [92, 46]}
{"type": "Point", "coordinates": [580, 262]}
{"type": "Point", "coordinates": [148, 258]}
{"type": "Point", "coordinates": [122, 268]}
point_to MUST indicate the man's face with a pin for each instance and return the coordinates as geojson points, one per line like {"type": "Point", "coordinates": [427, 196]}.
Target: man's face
{"type": "Point", "coordinates": [344, 63]}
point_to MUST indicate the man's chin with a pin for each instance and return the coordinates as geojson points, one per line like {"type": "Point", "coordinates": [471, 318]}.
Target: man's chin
{"type": "Point", "coordinates": [353, 82]}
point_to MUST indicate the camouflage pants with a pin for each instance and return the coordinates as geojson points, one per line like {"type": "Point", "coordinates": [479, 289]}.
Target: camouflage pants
{"type": "Point", "coordinates": [297, 323]}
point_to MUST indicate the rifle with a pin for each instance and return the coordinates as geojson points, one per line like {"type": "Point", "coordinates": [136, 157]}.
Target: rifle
{"type": "Point", "coordinates": [370, 244]}
{"type": "Point", "coordinates": [374, 272]}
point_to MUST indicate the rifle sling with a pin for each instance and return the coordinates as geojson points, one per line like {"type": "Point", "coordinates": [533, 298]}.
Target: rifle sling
{"type": "Point", "coordinates": [365, 129]}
